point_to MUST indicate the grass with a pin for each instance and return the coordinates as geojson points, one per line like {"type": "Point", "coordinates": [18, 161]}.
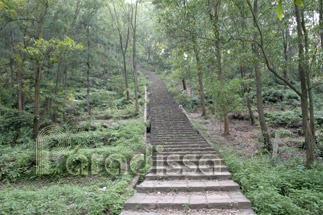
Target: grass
{"type": "Point", "coordinates": [65, 198]}
{"type": "Point", "coordinates": [285, 188]}
{"type": "Point", "coordinates": [95, 144]}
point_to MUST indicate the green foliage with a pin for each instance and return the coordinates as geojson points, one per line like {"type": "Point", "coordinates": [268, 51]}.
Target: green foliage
{"type": "Point", "coordinates": [15, 127]}
{"type": "Point", "coordinates": [18, 162]}
{"type": "Point", "coordinates": [280, 7]}
{"type": "Point", "coordinates": [290, 119]}
{"type": "Point", "coordinates": [53, 48]}
{"type": "Point", "coordinates": [274, 95]}
{"type": "Point", "coordinates": [319, 143]}
{"type": "Point", "coordinates": [227, 98]}
{"type": "Point", "coordinates": [67, 199]}
{"type": "Point", "coordinates": [287, 188]}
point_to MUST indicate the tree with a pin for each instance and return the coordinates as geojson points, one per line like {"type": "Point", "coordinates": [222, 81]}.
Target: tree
{"type": "Point", "coordinates": [124, 40]}
{"type": "Point", "coordinates": [309, 141]}
{"type": "Point", "coordinates": [134, 11]}
{"type": "Point", "coordinates": [261, 114]}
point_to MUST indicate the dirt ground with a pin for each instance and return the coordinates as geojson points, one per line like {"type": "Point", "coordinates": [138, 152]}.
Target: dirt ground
{"type": "Point", "coordinates": [244, 138]}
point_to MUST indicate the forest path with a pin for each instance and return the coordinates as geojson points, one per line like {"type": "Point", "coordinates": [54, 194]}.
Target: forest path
{"type": "Point", "coordinates": [187, 177]}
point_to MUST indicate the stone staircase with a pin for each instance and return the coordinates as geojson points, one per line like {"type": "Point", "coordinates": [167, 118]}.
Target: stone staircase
{"type": "Point", "coordinates": [187, 177]}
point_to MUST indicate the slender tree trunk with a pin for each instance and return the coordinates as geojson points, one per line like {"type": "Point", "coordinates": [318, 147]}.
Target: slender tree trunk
{"type": "Point", "coordinates": [19, 82]}
{"type": "Point", "coordinates": [134, 55]}
{"type": "Point", "coordinates": [252, 117]}
{"type": "Point", "coordinates": [214, 17]}
{"type": "Point", "coordinates": [309, 141]}
{"type": "Point", "coordinates": [18, 74]}
{"type": "Point", "coordinates": [200, 76]}
{"type": "Point", "coordinates": [126, 74]}
{"type": "Point", "coordinates": [308, 75]}
{"type": "Point", "coordinates": [88, 71]}
{"type": "Point", "coordinates": [123, 46]}
{"type": "Point", "coordinates": [56, 90]}
{"type": "Point", "coordinates": [38, 76]}
{"type": "Point", "coordinates": [184, 84]}
{"type": "Point", "coordinates": [246, 90]}
{"type": "Point", "coordinates": [261, 114]}
{"type": "Point", "coordinates": [37, 101]}
{"type": "Point", "coordinates": [285, 45]}
{"type": "Point", "coordinates": [321, 21]}
{"type": "Point", "coordinates": [64, 87]}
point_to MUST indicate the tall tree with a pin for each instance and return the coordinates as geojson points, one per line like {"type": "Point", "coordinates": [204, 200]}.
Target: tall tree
{"type": "Point", "coordinates": [321, 21]}
{"type": "Point", "coordinates": [214, 13]}
{"type": "Point", "coordinates": [123, 40]}
{"type": "Point", "coordinates": [134, 50]}
{"type": "Point", "coordinates": [309, 140]}
{"type": "Point", "coordinates": [260, 106]}
{"type": "Point", "coordinates": [304, 95]}
{"type": "Point", "coordinates": [40, 22]}
{"type": "Point", "coordinates": [88, 63]}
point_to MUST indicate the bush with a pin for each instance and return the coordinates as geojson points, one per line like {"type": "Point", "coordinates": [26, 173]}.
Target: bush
{"type": "Point", "coordinates": [290, 119]}
{"type": "Point", "coordinates": [67, 199]}
{"type": "Point", "coordinates": [287, 188]}
{"type": "Point", "coordinates": [319, 144]}
{"type": "Point", "coordinates": [15, 128]}
{"type": "Point", "coordinates": [274, 95]}
{"type": "Point", "coordinates": [19, 162]}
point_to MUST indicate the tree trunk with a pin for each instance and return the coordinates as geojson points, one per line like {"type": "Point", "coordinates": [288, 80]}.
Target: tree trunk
{"type": "Point", "coordinates": [64, 88]}
{"type": "Point", "coordinates": [56, 91]}
{"type": "Point", "coordinates": [88, 71]}
{"type": "Point", "coordinates": [252, 117]}
{"type": "Point", "coordinates": [308, 75]}
{"type": "Point", "coordinates": [304, 103]}
{"type": "Point", "coordinates": [37, 101]}
{"type": "Point", "coordinates": [226, 124]}
{"type": "Point", "coordinates": [38, 76]}
{"type": "Point", "coordinates": [134, 56]}
{"type": "Point", "coordinates": [126, 74]}
{"type": "Point", "coordinates": [123, 47]}
{"type": "Point", "coordinates": [200, 76]}
{"type": "Point", "coordinates": [261, 115]}
{"type": "Point", "coordinates": [19, 82]}
{"type": "Point", "coordinates": [18, 74]}
{"type": "Point", "coordinates": [246, 90]}
{"type": "Point", "coordinates": [285, 45]}
{"type": "Point", "coordinates": [184, 84]}
{"type": "Point", "coordinates": [321, 22]}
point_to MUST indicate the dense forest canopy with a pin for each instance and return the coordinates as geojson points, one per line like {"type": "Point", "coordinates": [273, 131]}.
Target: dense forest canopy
{"type": "Point", "coordinates": [79, 64]}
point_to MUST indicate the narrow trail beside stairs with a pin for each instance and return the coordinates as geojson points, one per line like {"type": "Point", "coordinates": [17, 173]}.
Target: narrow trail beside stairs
{"type": "Point", "coordinates": [187, 177]}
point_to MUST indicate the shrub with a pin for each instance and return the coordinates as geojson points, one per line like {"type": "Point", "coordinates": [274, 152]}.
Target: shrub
{"type": "Point", "coordinates": [291, 119]}
{"type": "Point", "coordinates": [66, 199]}
{"type": "Point", "coordinates": [287, 188]}
{"type": "Point", "coordinates": [15, 127]}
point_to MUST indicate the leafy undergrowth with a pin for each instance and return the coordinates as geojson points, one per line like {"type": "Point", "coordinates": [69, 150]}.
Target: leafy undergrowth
{"type": "Point", "coordinates": [18, 162]}
{"type": "Point", "coordinates": [24, 192]}
{"type": "Point", "coordinates": [66, 198]}
{"type": "Point", "coordinates": [280, 189]}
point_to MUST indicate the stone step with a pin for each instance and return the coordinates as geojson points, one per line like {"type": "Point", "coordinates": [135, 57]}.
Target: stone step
{"type": "Point", "coordinates": [165, 162]}
{"type": "Point", "coordinates": [178, 138]}
{"type": "Point", "coordinates": [183, 169]}
{"type": "Point", "coordinates": [182, 143]}
{"type": "Point", "coordinates": [188, 156]}
{"type": "Point", "coordinates": [190, 212]}
{"type": "Point", "coordinates": [188, 153]}
{"type": "Point", "coordinates": [187, 186]}
{"type": "Point", "coordinates": [184, 201]}
{"type": "Point", "coordinates": [192, 146]}
{"type": "Point", "coordinates": [195, 176]}
{"type": "Point", "coordinates": [187, 149]}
